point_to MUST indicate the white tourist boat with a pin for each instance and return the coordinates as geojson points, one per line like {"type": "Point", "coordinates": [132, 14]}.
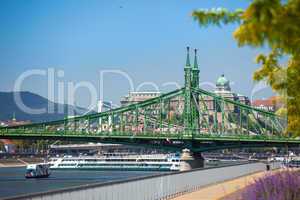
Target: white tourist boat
{"type": "Point", "coordinates": [118, 162]}
{"type": "Point", "coordinates": [40, 170]}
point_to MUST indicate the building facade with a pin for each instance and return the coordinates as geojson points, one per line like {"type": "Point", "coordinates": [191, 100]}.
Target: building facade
{"type": "Point", "coordinates": [135, 97]}
{"type": "Point", "coordinates": [271, 104]}
{"type": "Point", "coordinates": [222, 88]}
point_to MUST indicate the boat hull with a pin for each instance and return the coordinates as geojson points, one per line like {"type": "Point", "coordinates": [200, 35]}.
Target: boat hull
{"type": "Point", "coordinates": [115, 169]}
{"type": "Point", "coordinates": [40, 176]}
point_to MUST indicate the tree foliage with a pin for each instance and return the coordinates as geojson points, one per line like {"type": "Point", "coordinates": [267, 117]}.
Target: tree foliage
{"type": "Point", "coordinates": [275, 23]}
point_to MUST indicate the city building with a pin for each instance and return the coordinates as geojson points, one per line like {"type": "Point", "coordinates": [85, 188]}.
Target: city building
{"type": "Point", "coordinates": [14, 122]}
{"type": "Point", "coordinates": [271, 104]}
{"type": "Point", "coordinates": [134, 97]}
{"type": "Point", "coordinates": [9, 146]}
{"type": "Point", "coordinates": [223, 89]}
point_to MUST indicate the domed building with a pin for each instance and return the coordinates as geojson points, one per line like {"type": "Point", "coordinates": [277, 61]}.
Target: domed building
{"type": "Point", "coordinates": [223, 84]}
{"type": "Point", "coordinates": [223, 89]}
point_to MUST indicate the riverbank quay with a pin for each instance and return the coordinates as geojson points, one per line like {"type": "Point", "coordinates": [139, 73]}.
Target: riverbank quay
{"type": "Point", "coordinates": [281, 184]}
{"type": "Point", "coordinates": [227, 190]}
{"type": "Point", "coordinates": [155, 187]}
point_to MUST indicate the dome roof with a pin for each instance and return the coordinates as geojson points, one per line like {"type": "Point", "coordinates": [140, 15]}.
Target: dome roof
{"type": "Point", "coordinates": [223, 84]}
{"type": "Point", "coordinates": [222, 81]}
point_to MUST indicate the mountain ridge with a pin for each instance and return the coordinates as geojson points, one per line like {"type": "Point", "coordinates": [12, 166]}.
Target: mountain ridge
{"type": "Point", "coordinates": [9, 108]}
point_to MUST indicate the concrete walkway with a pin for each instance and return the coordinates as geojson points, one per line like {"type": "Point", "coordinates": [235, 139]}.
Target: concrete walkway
{"type": "Point", "coordinates": [221, 190]}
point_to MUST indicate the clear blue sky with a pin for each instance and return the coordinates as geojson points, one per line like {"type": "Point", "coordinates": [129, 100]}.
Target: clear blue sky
{"type": "Point", "coordinates": [147, 39]}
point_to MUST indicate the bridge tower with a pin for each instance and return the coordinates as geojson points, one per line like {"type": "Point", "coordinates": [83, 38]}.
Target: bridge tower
{"type": "Point", "coordinates": [195, 100]}
{"type": "Point", "coordinates": [195, 72]}
{"type": "Point", "coordinates": [189, 158]}
{"type": "Point", "coordinates": [191, 76]}
{"type": "Point", "coordinates": [188, 121]}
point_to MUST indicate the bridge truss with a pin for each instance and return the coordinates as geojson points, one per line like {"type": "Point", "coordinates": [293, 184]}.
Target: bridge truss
{"type": "Point", "coordinates": [189, 117]}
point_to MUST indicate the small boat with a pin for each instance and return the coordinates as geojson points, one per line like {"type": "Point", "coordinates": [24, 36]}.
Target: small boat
{"type": "Point", "coordinates": [37, 171]}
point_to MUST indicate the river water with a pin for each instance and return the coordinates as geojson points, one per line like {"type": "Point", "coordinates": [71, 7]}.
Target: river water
{"type": "Point", "coordinates": [13, 182]}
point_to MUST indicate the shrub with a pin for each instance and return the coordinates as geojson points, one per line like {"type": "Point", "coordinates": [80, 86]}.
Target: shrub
{"type": "Point", "coordinates": [284, 185]}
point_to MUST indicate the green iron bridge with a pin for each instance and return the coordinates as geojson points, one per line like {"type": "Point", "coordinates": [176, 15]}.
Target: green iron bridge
{"type": "Point", "coordinates": [189, 117]}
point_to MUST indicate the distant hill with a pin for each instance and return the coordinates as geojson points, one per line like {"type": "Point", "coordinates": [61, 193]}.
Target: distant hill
{"type": "Point", "coordinates": [8, 106]}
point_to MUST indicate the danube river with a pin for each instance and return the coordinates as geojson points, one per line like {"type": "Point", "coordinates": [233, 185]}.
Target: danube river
{"type": "Point", "coordinates": [12, 181]}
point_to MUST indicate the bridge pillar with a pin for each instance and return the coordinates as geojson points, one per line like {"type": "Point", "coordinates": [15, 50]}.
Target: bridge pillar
{"type": "Point", "coordinates": [190, 160]}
